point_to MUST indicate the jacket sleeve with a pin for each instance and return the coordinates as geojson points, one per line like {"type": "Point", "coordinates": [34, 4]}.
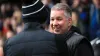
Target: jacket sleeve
{"type": "Point", "coordinates": [84, 50]}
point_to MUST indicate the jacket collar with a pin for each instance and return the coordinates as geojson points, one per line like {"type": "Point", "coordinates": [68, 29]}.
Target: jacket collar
{"type": "Point", "coordinates": [75, 29]}
{"type": "Point", "coordinates": [32, 26]}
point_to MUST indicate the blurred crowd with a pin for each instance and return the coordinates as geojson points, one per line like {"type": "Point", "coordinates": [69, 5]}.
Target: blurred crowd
{"type": "Point", "coordinates": [85, 16]}
{"type": "Point", "coordinates": [10, 19]}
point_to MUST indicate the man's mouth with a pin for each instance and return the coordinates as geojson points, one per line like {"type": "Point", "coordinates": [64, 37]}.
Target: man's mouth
{"type": "Point", "coordinates": [57, 29]}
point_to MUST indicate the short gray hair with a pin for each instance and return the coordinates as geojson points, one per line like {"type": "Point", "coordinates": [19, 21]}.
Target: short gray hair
{"type": "Point", "coordinates": [63, 6]}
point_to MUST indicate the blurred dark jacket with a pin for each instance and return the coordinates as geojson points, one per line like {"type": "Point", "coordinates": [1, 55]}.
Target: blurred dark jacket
{"type": "Point", "coordinates": [96, 46]}
{"type": "Point", "coordinates": [78, 45]}
{"type": "Point", "coordinates": [33, 41]}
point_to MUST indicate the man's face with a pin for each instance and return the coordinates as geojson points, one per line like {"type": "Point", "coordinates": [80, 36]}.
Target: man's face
{"type": "Point", "coordinates": [58, 22]}
{"type": "Point", "coordinates": [97, 3]}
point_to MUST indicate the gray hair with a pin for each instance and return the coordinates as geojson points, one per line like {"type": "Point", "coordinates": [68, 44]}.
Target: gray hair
{"type": "Point", "coordinates": [63, 6]}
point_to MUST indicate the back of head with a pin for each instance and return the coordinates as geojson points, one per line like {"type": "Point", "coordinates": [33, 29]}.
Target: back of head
{"type": "Point", "coordinates": [34, 11]}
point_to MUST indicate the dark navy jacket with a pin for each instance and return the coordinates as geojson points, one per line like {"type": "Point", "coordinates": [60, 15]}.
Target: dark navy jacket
{"type": "Point", "coordinates": [33, 41]}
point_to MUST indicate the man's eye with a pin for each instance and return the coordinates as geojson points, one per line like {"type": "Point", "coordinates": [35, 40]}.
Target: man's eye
{"type": "Point", "coordinates": [52, 19]}
{"type": "Point", "coordinates": [59, 18]}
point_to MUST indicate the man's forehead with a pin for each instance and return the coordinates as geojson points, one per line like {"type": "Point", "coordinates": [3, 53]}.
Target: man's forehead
{"type": "Point", "coordinates": [57, 11]}
{"type": "Point", "coordinates": [57, 14]}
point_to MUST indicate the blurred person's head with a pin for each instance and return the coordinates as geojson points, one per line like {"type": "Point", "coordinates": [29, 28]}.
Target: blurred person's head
{"type": "Point", "coordinates": [13, 23]}
{"type": "Point", "coordinates": [8, 6]}
{"type": "Point", "coordinates": [60, 18]}
{"type": "Point", "coordinates": [75, 17]}
{"type": "Point", "coordinates": [96, 3]}
{"type": "Point", "coordinates": [16, 18]}
{"type": "Point", "coordinates": [75, 3]}
{"type": "Point", "coordinates": [16, 6]}
{"type": "Point", "coordinates": [46, 2]}
{"type": "Point", "coordinates": [3, 8]}
{"type": "Point", "coordinates": [63, 1]}
{"type": "Point", "coordinates": [69, 2]}
{"type": "Point", "coordinates": [34, 11]}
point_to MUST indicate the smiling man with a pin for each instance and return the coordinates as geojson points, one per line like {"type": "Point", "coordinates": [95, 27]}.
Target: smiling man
{"type": "Point", "coordinates": [58, 21]}
{"type": "Point", "coordinates": [61, 23]}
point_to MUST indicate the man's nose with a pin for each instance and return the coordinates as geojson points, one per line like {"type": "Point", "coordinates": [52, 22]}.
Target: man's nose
{"type": "Point", "coordinates": [55, 22]}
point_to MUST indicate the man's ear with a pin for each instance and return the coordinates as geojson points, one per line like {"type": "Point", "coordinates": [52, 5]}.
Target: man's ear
{"type": "Point", "coordinates": [70, 21]}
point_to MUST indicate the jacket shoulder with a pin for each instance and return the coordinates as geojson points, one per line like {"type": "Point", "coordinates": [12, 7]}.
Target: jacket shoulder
{"type": "Point", "coordinates": [30, 36]}
{"type": "Point", "coordinates": [75, 41]}
{"type": "Point", "coordinates": [26, 42]}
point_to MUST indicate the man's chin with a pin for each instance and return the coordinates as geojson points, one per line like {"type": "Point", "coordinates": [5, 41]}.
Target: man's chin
{"type": "Point", "coordinates": [57, 32]}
